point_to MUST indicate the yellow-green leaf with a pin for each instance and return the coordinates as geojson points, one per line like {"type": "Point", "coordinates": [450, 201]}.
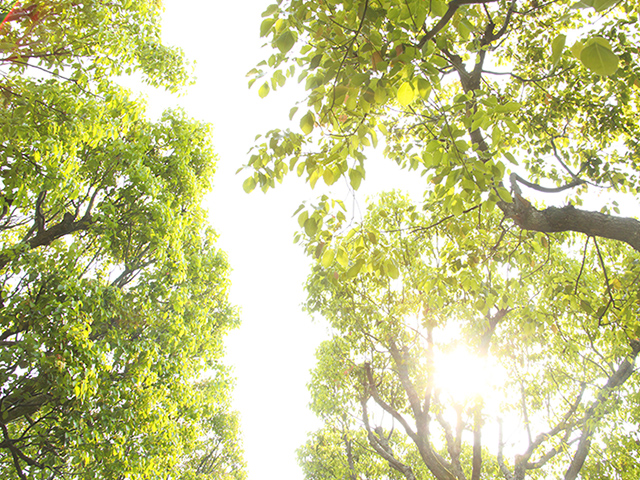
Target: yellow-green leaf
{"type": "Point", "coordinates": [266, 25]}
{"type": "Point", "coordinates": [285, 41]}
{"type": "Point", "coordinates": [264, 90]}
{"type": "Point", "coordinates": [328, 177]}
{"type": "Point", "coordinates": [306, 123]}
{"type": "Point", "coordinates": [391, 269]}
{"type": "Point", "coordinates": [557, 46]}
{"type": "Point", "coordinates": [355, 269]}
{"type": "Point", "coordinates": [249, 184]}
{"type": "Point", "coordinates": [342, 257]}
{"type": "Point", "coordinates": [405, 94]}
{"type": "Point", "coordinates": [355, 178]}
{"type": "Point", "coordinates": [598, 57]}
{"type": "Point", "coordinates": [327, 257]}
{"type": "Point", "coordinates": [310, 227]}
{"type": "Point", "coordinates": [504, 194]}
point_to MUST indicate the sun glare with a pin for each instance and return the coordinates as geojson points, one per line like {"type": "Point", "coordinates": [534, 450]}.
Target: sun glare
{"type": "Point", "coordinates": [465, 376]}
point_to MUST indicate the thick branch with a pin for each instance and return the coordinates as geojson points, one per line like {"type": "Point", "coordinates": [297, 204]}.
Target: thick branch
{"type": "Point", "coordinates": [571, 219]}
{"type": "Point", "coordinates": [43, 238]}
{"type": "Point", "coordinates": [352, 467]}
{"type": "Point", "coordinates": [27, 405]}
{"type": "Point", "coordinates": [620, 376]}
{"type": "Point", "coordinates": [476, 463]}
{"type": "Point", "coordinates": [453, 7]}
{"type": "Point", "coordinates": [382, 448]}
{"type": "Point", "coordinates": [500, 458]}
{"type": "Point", "coordinates": [373, 391]}
{"type": "Point", "coordinates": [454, 444]}
{"type": "Point", "coordinates": [403, 372]}
{"type": "Point", "coordinates": [485, 340]}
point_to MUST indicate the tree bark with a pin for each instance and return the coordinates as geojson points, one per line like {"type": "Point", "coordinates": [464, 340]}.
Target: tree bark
{"type": "Point", "coordinates": [43, 238]}
{"type": "Point", "coordinates": [571, 219]}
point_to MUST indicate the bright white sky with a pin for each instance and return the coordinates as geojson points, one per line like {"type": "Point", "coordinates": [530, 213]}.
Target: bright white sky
{"type": "Point", "coordinates": [273, 352]}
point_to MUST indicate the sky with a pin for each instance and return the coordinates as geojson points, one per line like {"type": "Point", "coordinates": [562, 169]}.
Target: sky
{"type": "Point", "coordinates": [272, 352]}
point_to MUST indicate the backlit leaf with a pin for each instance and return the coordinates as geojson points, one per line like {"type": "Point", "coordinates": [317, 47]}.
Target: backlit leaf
{"type": "Point", "coordinates": [285, 41]}
{"type": "Point", "coordinates": [249, 184]}
{"type": "Point", "coordinates": [327, 257]}
{"type": "Point", "coordinates": [557, 46]}
{"type": "Point", "coordinates": [598, 57]}
{"type": "Point", "coordinates": [405, 94]}
{"type": "Point", "coordinates": [306, 123]}
{"type": "Point", "coordinates": [264, 90]}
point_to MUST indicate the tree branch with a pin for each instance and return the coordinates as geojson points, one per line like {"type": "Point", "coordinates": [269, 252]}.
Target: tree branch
{"type": "Point", "coordinates": [453, 7]}
{"type": "Point", "coordinates": [44, 238]}
{"type": "Point", "coordinates": [373, 391]}
{"type": "Point", "coordinates": [476, 462]}
{"type": "Point", "coordinates": [403, 372]}
{"type": "Point", "coordinates": [620, 376]}
{"type": "Point", "coordinates": [500, 458]}
{"type": "Point", "coordinates": [434, 461]}
{"type": "Point", "coordinates": [381, 446]}
{"type": "Point", "coordinates": [571, 219]}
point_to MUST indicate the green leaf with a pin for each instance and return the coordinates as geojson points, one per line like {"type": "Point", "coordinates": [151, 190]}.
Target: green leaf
{"type": "Point", "coordinates": [504, 195]}
{"type": "Point", "coordinates": [7, 46]}
{"type": "Point", "coordinates": [310, 227]}
{"type": "Point", "coordinates": [424, 88]}
{"type": "Point", "coordinates": [583, 4]}
{"type": "Point", "coordinates": [598, 57]}
{"type": "Point", "coordinates": [405, 94]}
{"type": "Point", "coordinates": [391, 269]}
{"type": "Point", "coordinates": [265, 26]}
{"type": "Point", "coordinates": [342, 258]}
{"type": "Point", "coordinates": [303, 218]}
{"type": "Point", "coordinates": [307, 122]}
{"type": "Point", "coordinates": [354, 269]}
{"type": "Point", "coordinates": [597, 5]}
{"type": "Point", "coordinates": [328, 177]}
{"type": "Point", "coordinates": [327, 257]}
{"type": "Point", "coordinates": [285, 41]}
{"type": "Point", "coordinates": [557, 46]}
{"type": "Point", "coordinates": [249, 184]}
{"type": "Point", "coordinates": [270, 10]}
{"type": "Point", "coordinates": [355, 178]}
{"type": "Point", "coordinates": [601, 5]}
{"type": "Point", "coordinates": [576, 49]}
{"type": "Point", "coordinates": [264, 90]}
{"type": "Point", "coordinates": [496, 136]}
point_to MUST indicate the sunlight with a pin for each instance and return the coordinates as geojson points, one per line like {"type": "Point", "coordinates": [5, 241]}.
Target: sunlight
{"type": "Point", "coordinates": [465, 376]}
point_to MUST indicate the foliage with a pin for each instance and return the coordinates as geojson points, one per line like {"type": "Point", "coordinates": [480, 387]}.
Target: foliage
{"type": "Point", "coordinates": [89, 41]}
{"type": "Point", "coordinates": [566, 366]}
{"type": "Point", "coordinates": [518, 114]}
{"type": "Point", "coordinates": [113, 295]}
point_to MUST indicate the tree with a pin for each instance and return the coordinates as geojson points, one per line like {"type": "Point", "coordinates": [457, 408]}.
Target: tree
{"type": "Point", "coordinates": [114, 297]}
{"type": "Point", "coordinates": [89, 41]}
{"type": "Point", "coordinates": [498, 104]}
{"type": "Point", "coordinates": [567, 388]}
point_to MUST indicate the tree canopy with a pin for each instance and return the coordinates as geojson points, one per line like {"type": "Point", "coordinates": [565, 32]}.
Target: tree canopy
{"type": "Point", "coordinates": [113, 302]}
{"type": "Point", "coordinates": [522, 118]}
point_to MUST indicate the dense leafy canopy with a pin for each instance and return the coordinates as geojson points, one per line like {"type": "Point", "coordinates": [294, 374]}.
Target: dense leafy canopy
{"type": "Point", "coordinates": [113, 300]}
{"type": "Point", "coordinates": [451, 292]}
{"type": "Point", "coordinates": [89, 41]}
{"type": "Point", "coordinates": [522, 117]}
